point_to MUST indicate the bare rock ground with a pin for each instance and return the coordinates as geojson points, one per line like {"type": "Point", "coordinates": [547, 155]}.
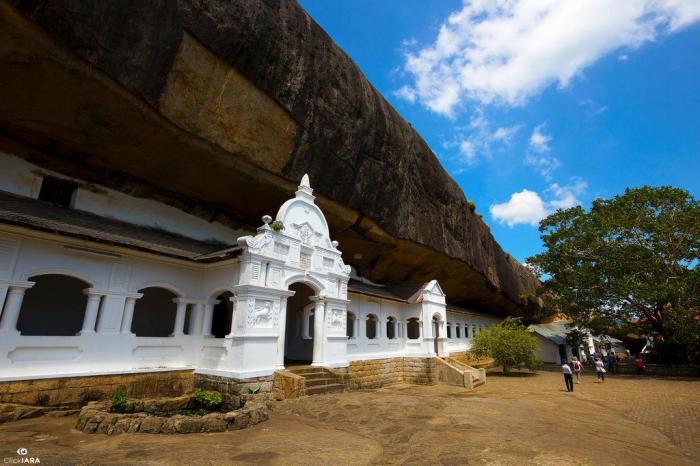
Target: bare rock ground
{"type": "Point", "coordinates": [511, 420]}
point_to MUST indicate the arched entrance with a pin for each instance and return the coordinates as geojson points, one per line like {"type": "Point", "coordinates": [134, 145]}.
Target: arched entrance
{"type": "Point", "coordinates": [154, 313]}
{"type": "Point", "coordinates": [54, 306]}
{"type": "Point", "coordinates": [299, 326]}
{"type": "Point", "coordinates": [222, 314]}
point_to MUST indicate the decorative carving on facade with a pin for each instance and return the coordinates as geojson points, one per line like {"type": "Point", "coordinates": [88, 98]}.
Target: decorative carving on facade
{"type": "Point", "coordinates": [306, 233]}
{"type": "Point", "coordinates": [305, 261]}
{"type": "Point", "coordinates": [257, 243]}
{"type": "Point", "coordinates": [261, 314]}
{"type": "Point", "coordinates": [337, 319]}
{"type": "Point", "coordinates": [281, 249]}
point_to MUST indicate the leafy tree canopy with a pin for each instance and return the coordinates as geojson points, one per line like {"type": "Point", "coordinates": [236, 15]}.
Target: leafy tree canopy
{"type": "Point", "coordinates": [510, 344]}
{"type": "Point", "coordinates": [629, 259]}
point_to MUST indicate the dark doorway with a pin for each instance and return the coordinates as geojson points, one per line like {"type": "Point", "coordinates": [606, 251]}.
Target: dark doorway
{"type": "Point", "coordinates": [223, 314]}
{"type": "Point", "coordinates": [562, 353]}
{"type": "Point", "coordinates": [298, 340]}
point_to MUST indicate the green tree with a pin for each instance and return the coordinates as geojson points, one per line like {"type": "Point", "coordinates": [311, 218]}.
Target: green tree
{"type": "Point", "coordinates": [510, 344]}
{"type": "Point", "coordinates": [574, 338]}
{"type": "Point", "coordinates": [629, 259]}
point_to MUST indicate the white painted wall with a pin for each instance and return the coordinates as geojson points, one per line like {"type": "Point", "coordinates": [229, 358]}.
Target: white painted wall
{"type": "Point", "coordinates": [360, 347]}
{"type": "Point", "coordinates": [18, 176]}
{"type": "Point", "coordinates": [474, 321]}
{"type": "Point", "coordinates": [548, 351]}
{"type": "Point", "coordinates": [24, 254]}
{"type": "Point", "coordinates": [260, 279]}
{"type": "Point", "coordinates": [21, 177]}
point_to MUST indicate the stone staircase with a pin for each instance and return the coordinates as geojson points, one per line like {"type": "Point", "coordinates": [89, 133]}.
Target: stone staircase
{"type": "Point", "coordinates": [320, 380]}
{"type": "Point", "coordinates": [470, 377]}
{"type": "Point", "coordinates": [478, 375]}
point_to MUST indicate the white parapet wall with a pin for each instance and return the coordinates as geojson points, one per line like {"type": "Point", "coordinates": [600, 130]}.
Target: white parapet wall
{"type": "Point", "coordinates": [75, 306]}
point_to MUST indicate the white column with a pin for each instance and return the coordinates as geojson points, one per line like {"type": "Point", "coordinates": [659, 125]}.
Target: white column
{"type": "Point", "coordinates": [179, 317]}
{"type": "Point", "coordinates": [91, 310]}
{"type": "Point", "coordinates": [13, 304]}
{"type": "Point", "coordinates": [319, 313]}
{"type": "Point", "coordinates": [194, 326]}
{"type": "Point", "coordinates": [282, 328]}
{"type": "Point", "coordinates": [305, 327]}
{"type": "Point", "coordinates": [233, 316]}
{"type": "Point", "coordinates": [128, 316]}
{"type": "Point", "coordinates": [209, 316]}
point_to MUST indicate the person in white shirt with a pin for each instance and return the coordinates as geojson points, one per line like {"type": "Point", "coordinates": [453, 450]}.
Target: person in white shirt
{"type": "Point", "coordinates": [568, 378]}
{"type": "Point", "coordinates": [600, 370]}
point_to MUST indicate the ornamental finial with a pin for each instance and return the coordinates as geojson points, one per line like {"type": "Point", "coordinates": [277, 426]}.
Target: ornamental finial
{"type": "Point", "coordinates": [305, 190]}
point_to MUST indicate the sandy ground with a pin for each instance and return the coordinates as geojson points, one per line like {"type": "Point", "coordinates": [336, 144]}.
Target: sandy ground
{"type": "Point", "coordinates": [510, 420]}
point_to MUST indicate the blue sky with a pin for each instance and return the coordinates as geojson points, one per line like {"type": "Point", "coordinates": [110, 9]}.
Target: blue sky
{"type": "Point", "coordinates": [534, 105]}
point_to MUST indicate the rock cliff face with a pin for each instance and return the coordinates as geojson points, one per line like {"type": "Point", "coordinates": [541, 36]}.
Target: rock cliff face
{"type": "Point", "coordinates": [219, 107]}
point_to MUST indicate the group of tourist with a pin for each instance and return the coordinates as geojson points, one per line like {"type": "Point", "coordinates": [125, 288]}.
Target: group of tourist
{"type": "Point", "coordinates": [602, 365]}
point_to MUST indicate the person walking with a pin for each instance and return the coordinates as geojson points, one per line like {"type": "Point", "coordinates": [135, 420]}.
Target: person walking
{"type": "Point", "coordinates": [577, 367]}
{"type": "Point", "coordinates": [600, 370]}
{"type": "Point", "coordinates": [611, 362]}
{"type": "Point", "coordinates": [568, 379]}
{"type": "Point", "coordinates": [639, 364]}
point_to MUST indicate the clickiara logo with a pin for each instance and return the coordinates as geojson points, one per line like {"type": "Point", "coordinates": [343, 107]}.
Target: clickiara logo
{"type": "Point", "coordinates": [21, 458]}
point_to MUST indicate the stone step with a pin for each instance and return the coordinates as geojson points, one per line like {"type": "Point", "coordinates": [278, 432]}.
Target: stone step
{"type": "Point", "coordinates": [304, 370]}
{"type": "Point", "coordinates": [315, 375]}
{"type": "Point", "coordinates": [321, 389]}
{"type": "Point", "coordinates": [323, 381]}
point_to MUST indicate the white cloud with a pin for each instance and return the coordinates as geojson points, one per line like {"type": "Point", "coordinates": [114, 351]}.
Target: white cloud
{"type": "Point", "coordinates": [523, 207]}
{"type": "Point", "coordinates": [467, 151]}
{"type": "Point", "coordinates": [406, 93]}
{"type": "Point", "coordinates": [508, 50]}
{"type": "Point", "coordinates": [543, 163]}
{"type": "Point", "coordinates": [478, 138]}
{"type": "Point", "coordinates": [539, 142]}
{"type": "Point", "coordinates": [538, 155]}
{"type": "Point", "coordinates": [505, 133]}
{"type": "Point", "coordinates": [565, 197]}
{"type": "Point", "coordinates": [527, 207]}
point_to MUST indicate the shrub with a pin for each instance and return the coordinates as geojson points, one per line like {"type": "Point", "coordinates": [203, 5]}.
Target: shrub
{"type": "Point", "coordinates": [277, 225]}
{"type": "Point", "coordinates": [471, 205]}
{"type": "Point", "coordinates": [120, 403]}
{"type": "Point", "coordinates": [509, 344]}
{"type": "Point", "coordinates": [208, 399]}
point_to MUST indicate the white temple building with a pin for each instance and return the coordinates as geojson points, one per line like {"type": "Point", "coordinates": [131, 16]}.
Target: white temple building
{"type": "Point", "coordinates": [93, 281]}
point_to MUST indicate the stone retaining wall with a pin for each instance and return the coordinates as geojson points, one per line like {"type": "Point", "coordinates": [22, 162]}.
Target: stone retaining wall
{"type": "Point", "coordinates": [236, 389]}
{"type": "Point", "coordinates": [376, 373]}
{"type": "Point", "coordinates": [288, 385]}
{"type": "Point", "coordinates": [76, 391]}
{"type": "Point", "coordinates": [96, 418]}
